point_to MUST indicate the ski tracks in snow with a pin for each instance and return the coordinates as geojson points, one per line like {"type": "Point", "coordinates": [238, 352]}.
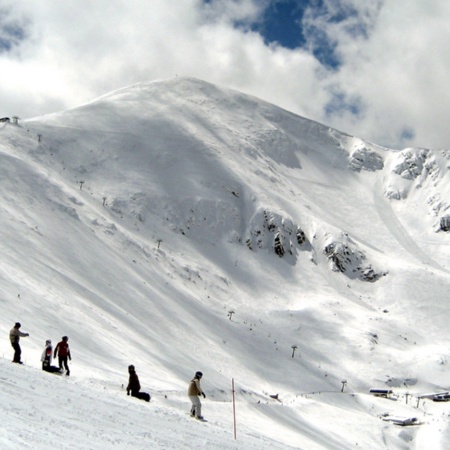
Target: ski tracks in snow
{"type": "Point", "coordinates": [399, 232]}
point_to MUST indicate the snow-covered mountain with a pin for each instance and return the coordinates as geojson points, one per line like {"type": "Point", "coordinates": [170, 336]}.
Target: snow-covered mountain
{"type": "Point", "coordinates": [181, 226]}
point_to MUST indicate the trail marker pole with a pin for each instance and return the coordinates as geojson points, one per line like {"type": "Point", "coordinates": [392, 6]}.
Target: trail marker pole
{"type": "Point", "coordinates": [234, 407]}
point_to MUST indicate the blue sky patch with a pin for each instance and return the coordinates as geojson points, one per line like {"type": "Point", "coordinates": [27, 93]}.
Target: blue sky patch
{"type": "Point", "coordinates": [11, 35]}
{"type": "Point", "coordinates": [341, 103]}
{"type": "Point", "coordinates": [302, 24]}
{"type": "Point", "coordinates": [295, 24]}
{"type": "Point", "coordinates": [282, 23]}
{"type": "Point", "coordinates": [407, 134]}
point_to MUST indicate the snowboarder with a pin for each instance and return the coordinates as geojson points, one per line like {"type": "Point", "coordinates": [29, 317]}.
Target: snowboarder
{"type": "Point", "coordinates": [63, 352]}
{"type": "Point", "coordinates": [14, 336]}
{"type": "Point", "coordinates": [46, 358]}
{"type": "Point", "coordinates": [194, 391]}
{"type": "Point", "coordinates": [134, 386]}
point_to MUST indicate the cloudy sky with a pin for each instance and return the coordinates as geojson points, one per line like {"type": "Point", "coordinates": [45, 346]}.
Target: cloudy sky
{"type": "Point", "coordinates": [376, 69]}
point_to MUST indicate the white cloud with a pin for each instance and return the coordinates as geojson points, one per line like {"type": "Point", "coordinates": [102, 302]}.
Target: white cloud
{"type": "Point", "coordinates": [397, 72]}
{"type": "Point", "coordinates": [393, 73]}
{"type": "Point", "coordinates": [233, 10]}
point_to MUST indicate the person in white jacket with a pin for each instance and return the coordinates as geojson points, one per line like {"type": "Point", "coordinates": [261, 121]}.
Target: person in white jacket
{"type": "Point", "coordinates": [46, 358]}
{"type": "Point", "coordinates": [14, 336]}
{"type": "Point", "coordinates": [194, 391]}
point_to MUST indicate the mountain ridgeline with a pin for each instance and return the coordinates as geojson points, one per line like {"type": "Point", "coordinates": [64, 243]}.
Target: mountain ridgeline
{"type": "Point", "coordinates": [229, 167]}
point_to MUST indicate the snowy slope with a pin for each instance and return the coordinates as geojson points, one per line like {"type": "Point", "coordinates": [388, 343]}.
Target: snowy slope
{"type": "Point", "coordinates": [136, 223]}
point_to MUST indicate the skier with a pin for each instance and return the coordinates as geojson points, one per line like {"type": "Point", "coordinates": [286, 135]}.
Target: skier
{"type": "Point", "coordinates": [14, 337]}
{"type": "Point", "coordinates": [194, 391]}
{"type": "Point", "coordinates": [63, 352]}
{"type": "Point", "coordinates": [134, 386]}
{"type": "Point", "coordinates": [46, 358]}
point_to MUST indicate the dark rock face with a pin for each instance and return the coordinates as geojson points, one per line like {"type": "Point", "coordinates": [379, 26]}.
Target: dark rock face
{"type": "Point", "coordinates": [445, 223]}
{"type": "Point", "coordinates": [347, 258]}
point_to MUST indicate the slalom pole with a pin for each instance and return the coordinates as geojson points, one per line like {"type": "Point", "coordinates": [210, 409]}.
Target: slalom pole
{"type": "Point", "coordinates": [234, 407]}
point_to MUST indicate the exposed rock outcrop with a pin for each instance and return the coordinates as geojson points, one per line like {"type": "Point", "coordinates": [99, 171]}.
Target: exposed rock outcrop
{"type": "Point", "coordinates": [345, 256]}
{"type": "Point", "coordinates": [365, 159]}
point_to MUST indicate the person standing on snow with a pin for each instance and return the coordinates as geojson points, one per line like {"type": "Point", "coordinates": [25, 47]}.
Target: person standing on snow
{"type": "Point", "coordinates": [134, 386]}
{"type": "Point", "coordinates": [46, 358]}
{"type": "Point", "coordinates": [14, 336]}
{"type": "Point", "coordinates": [63, 352]}
{"type": "Point", "coordinates": [194, 391]}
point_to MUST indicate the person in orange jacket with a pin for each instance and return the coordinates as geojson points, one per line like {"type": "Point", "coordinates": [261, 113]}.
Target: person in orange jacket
{"type": "Point", "coordinates": [63, 352]}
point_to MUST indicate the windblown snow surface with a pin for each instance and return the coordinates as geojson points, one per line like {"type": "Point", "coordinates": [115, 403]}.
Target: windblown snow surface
{"type": "Point", "coordinates": [180, 226]}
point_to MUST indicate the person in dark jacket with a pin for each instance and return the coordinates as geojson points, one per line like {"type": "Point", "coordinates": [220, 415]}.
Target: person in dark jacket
{"type": "Point", "coordinates": [63, 352]}
{"type": "Point", "coordinates": [14, 336]}
{"type": "Point", "coordinates": [134, 386]}
{"type": "Point", "coordinates": [194, 391]}
{"type": "Point", "coordinates": [46, 358]}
